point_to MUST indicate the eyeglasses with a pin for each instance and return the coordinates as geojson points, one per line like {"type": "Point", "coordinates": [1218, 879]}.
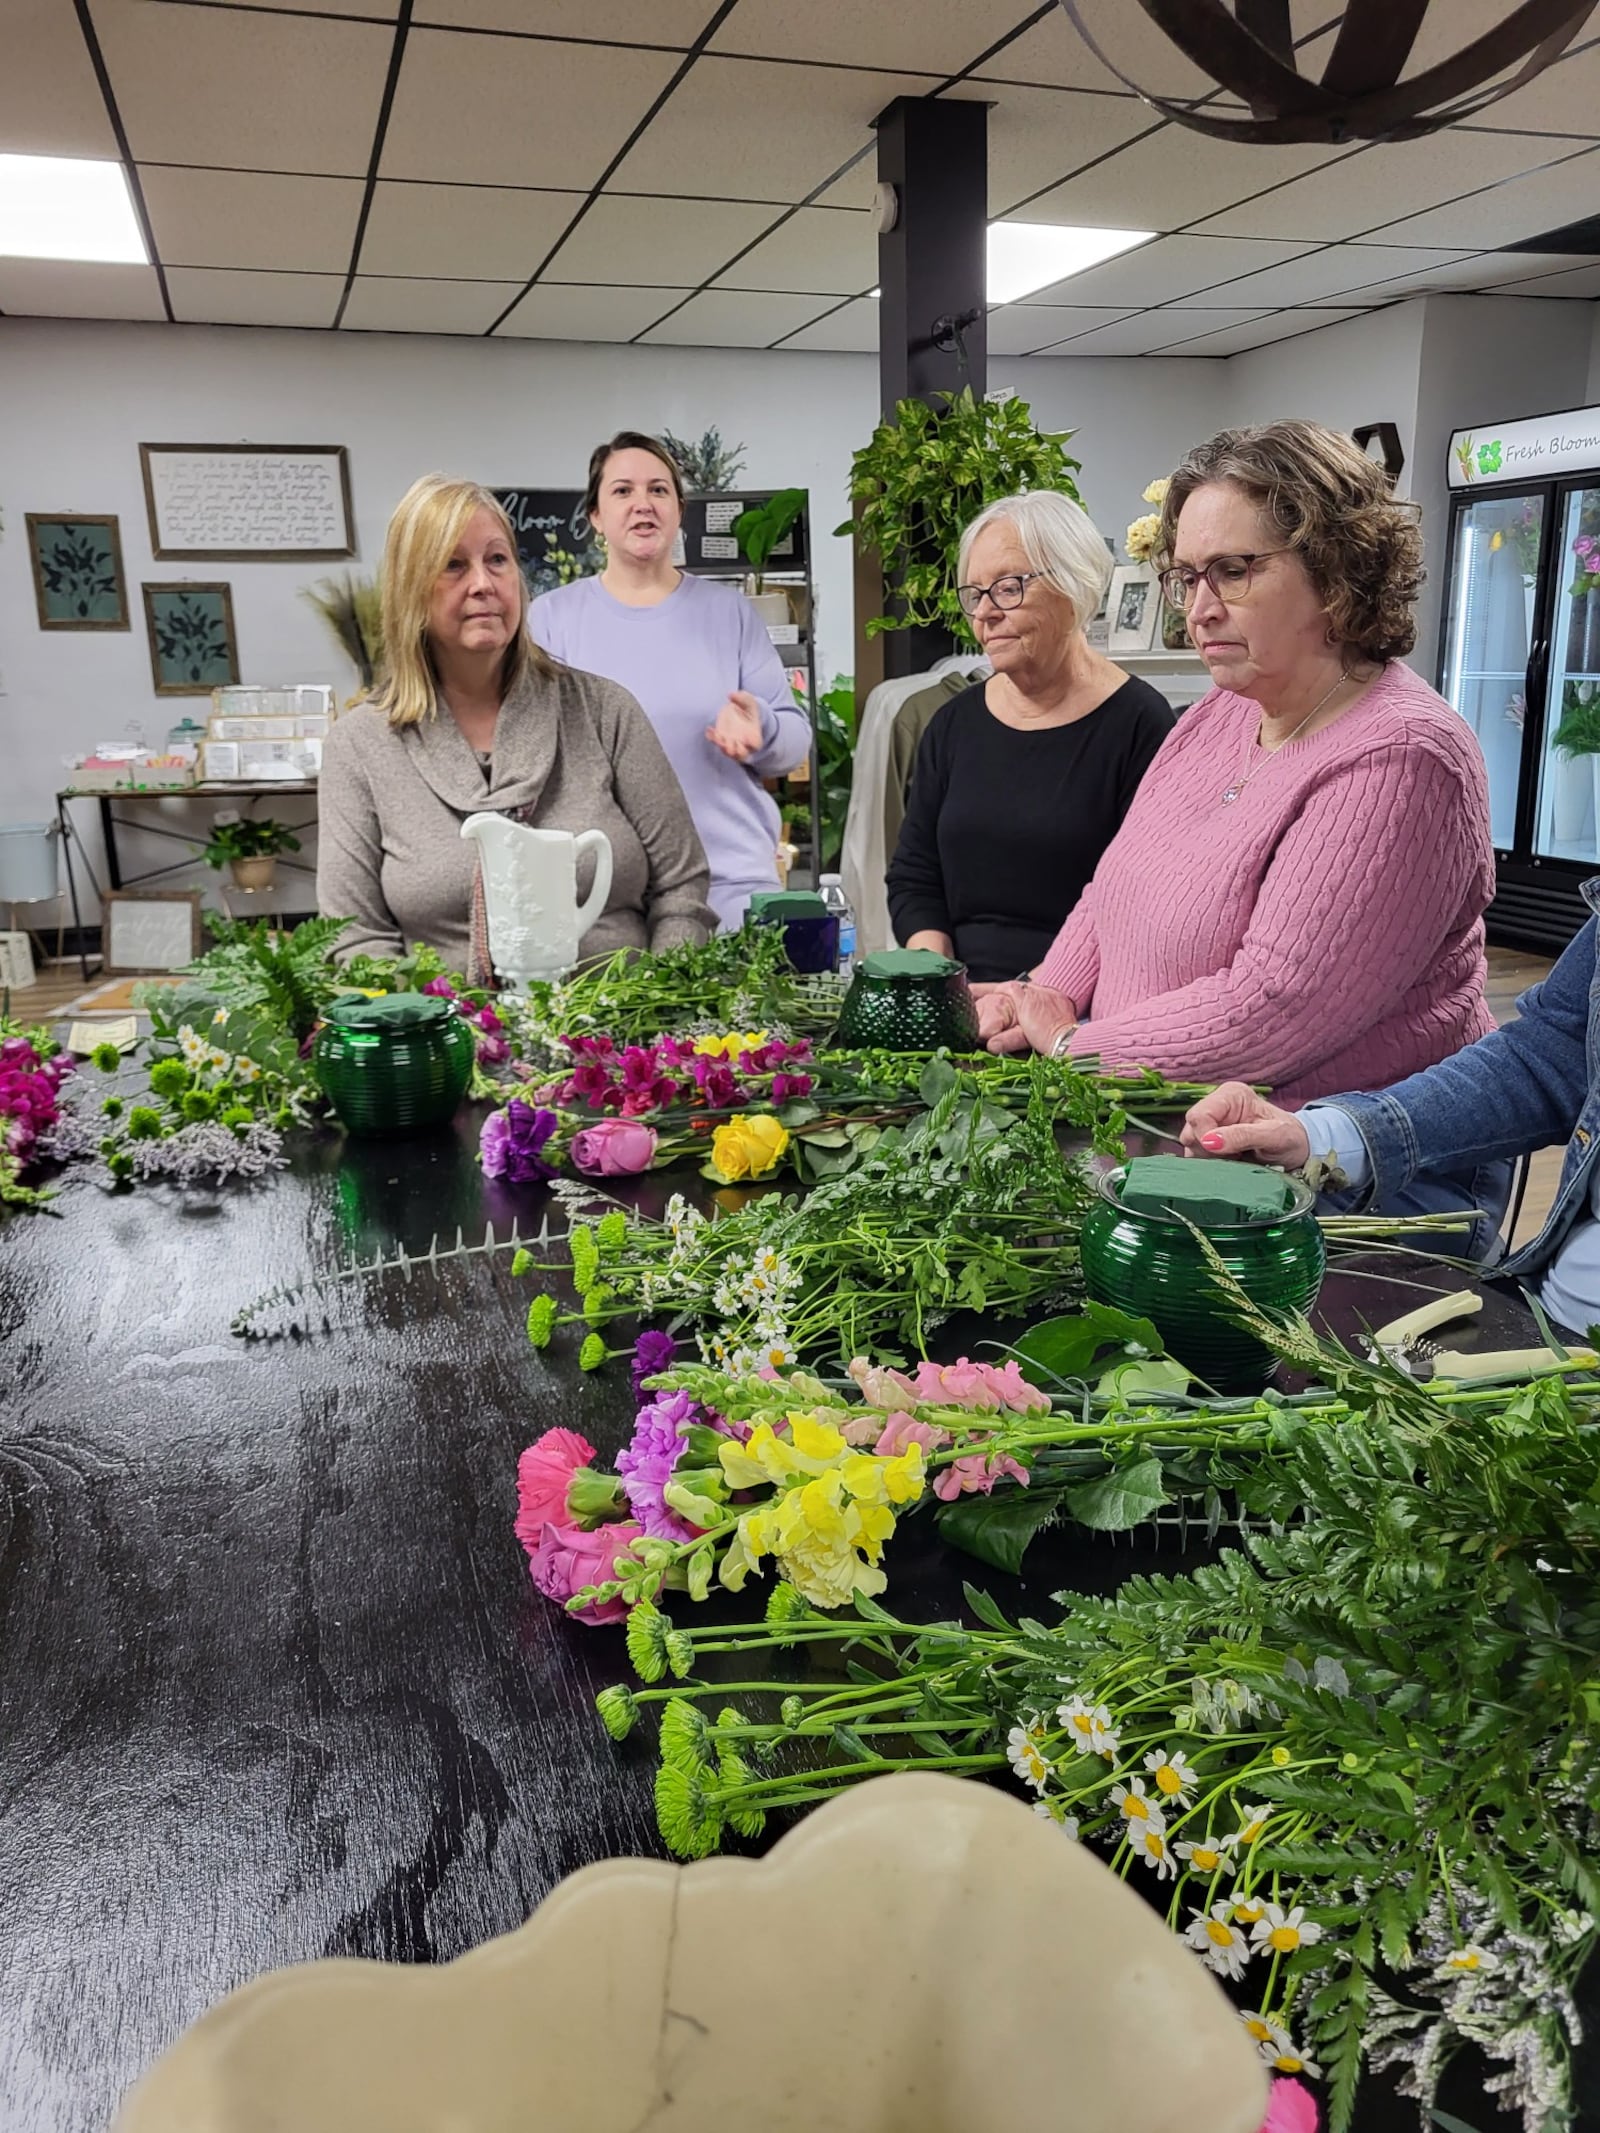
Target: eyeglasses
{"type": "Point", "coordinates": [1229, 577]}
{"type": "Point", "coordinates": [1005, 592]}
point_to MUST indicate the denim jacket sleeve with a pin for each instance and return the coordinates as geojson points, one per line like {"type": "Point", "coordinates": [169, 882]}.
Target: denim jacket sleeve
{"type": "Point", "coordinates": [1519, 1088]}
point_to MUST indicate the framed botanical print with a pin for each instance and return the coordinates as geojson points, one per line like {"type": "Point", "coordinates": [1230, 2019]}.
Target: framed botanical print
{"type": "Point", "coordinates": [1135, 608]}
{"type": "Point", "coordinates": [77, 571]}
{"type": "Point", "coordinates": [192, 646]}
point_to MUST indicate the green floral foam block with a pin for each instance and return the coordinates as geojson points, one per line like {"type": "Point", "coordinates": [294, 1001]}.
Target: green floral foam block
{"type": "Point", "coordinates": [1210, 1195]}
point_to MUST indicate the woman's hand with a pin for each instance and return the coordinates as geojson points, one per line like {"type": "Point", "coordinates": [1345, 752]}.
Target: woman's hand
{"type": "Point", "coordinates": [1020, 1018]}
{"type": "Point", "coordinates": [940, 943]}
{"type": "Point", "coordinates": [1234, 1121]}
{"type": "Point", "coordinates": [737, 730]}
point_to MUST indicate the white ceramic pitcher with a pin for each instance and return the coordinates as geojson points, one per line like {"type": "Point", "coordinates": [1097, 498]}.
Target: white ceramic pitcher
{"type": "Point", "coordinates": [530, 891]}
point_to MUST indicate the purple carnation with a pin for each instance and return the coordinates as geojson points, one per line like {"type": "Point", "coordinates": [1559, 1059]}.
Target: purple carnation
{"type": "Point", "coordinates": [653, 1352]}
{"type": "Point", "coordinates": [647, 1464]}
{"type": "Point", "coordinates": [511, 1140]}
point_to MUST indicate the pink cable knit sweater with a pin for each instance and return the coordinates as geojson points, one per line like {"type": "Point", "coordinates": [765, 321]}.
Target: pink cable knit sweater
{"type": "Point", "coordinates": [1323, 932]}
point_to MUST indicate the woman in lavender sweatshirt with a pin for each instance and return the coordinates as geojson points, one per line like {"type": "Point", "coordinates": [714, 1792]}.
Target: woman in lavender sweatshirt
{"type": "Point", "coordinates": [693, 653]}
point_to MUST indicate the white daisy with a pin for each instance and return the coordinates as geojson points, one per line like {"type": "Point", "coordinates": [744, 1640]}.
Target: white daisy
{"type": "Point", "coordinates": [1284, 1931]}
{"type": "Point", "coordinates": [1027, 1758]}
{"type": "Point", "coordinates": [1175, 1776]}
{"type": "Point", "coordinates": [1133, 1802]}
{"type": "Point", "coordinates": [1220, 1944]}
{"type": "Point", "coordinates": [1149, 1840]}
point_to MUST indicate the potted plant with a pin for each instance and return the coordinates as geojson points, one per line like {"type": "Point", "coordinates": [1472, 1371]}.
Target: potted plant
{"type": "Point", "coordinates": [250, 849]}
{"type": "Point", "coordinates": [1140, 541]}
{"type": "Point", "coordinates": [925, 476]}
{"type": "Point", "coordinates": [758, 532]}
{"type": "Point", "coordinates": [1578, 733]}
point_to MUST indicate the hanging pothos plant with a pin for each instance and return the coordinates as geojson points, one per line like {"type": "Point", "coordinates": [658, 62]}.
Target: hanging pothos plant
{"type": "Point", "coordinates": [923, 479]}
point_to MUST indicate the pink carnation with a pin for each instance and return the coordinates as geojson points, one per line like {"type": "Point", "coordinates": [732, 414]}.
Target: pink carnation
{"type": "Point", "coordinates": [978, 1474]}
{"type": "Point", "coordinates": [1291, 2108]}
{"type": "Point", "coordinates": [543, 1474]}
{"type": "Point", "coordinates": [882, 1388]}
{"type": "Point", "coordinates": [616, 1148]}
{"type": "Point", "coordinates": [567, 1559]}
{"type": "Point", "coordinates": [902, 1430]}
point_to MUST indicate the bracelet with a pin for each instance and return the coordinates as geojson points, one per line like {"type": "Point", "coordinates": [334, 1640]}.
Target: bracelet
{"type": "Point", "coordinates": [1064, 1038]}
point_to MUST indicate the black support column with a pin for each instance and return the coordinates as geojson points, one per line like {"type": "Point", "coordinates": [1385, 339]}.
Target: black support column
{"type": "Point", "coordinates": [931, 269]}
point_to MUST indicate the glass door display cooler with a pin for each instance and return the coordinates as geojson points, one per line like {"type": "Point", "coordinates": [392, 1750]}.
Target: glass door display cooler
{"type": "Point", "coordinates": [1520, 658]}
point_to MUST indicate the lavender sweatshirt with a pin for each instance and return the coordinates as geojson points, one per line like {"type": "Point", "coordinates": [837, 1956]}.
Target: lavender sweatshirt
{"type": "Point", "coordinates": [680, 659]}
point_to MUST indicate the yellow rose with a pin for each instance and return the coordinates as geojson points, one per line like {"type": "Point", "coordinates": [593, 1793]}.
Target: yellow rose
{"type": "Point", "coordinates": [1157, 491]}
{"type": "Point", "coordinates": [749, 1147]}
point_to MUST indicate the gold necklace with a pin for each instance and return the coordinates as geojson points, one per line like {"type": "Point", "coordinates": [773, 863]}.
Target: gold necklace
{"type": "Point", "coordinates": [1230, 793]}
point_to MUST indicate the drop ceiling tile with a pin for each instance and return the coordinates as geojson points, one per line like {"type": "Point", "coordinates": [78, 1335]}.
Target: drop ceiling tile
{"type": "Point", "coordinates": [1469, 273]}
{"type": "Point", "coordinates": [52, 105]}
{"type": "Point", "coordinates": [71, 288]}
{"type": "Point", "coordinates": [1020, 329]}
{"type": "Point", "coordinates": [1395, 178]}
{"type": "Point", "coordinates": [1174, 179]}
{"type": "Point", "coordinates": [719, 318]}
{"type": "Point", "coordinates": [829, 250]}
{"type": "Point", "coordinates": [681, 242]}
{"type": "Point", "coordinates": [221, 296]}
{"type": "Point", "coordinates": [1261, 332]}
{"type": "Point", "coordinates": [1520, 207]}
{"type": "Point", "coordinates": [937, 36]}
{"type": "Point", "coordinates": [664, 22]}
{"type": "Point", "coordinates": [1166, 271]}
{"type": "Point", "coordinates": [244, 90]}
{"type": "Point", "coordinates": [1146, 331]}
{"type": "Point", "coordinates": [859, 184]}
{"type": "Point", "coordinates": [1053, 51]}
{"type": "Point", "coordinates": [556, 312]}
{"type": "Point", "coordinates": [853, 329]}
{"type": "Point", "coordinates": [462, 232]}
{"type": "Point", "coordinates": [1037, 136]}
{"type": "Point", "coordinates": [230, 218]}
{"type": "Point", "coordinates": [1565, 98]}
{"type": "Point", "coordinates": [743, 129]}
{"type": "Point", "coordinates": [1567, 280]}
{"type": "Point", "coordinates": [381, 306]}
{"type": "Point", "coordinates": [373, 10]}
{"type": "Point", "coordinates": [1317, 277]}
{"type": "Point", "coordinates": [516, 110]}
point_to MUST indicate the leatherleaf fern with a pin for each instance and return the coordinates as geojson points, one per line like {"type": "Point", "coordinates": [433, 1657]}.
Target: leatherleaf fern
{"type": "Point", "coordinates": [1356, 1761]}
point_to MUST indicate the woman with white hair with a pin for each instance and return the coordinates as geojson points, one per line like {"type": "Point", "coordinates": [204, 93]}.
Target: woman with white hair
{"type": "Point", "coordinates": [1021, 781]}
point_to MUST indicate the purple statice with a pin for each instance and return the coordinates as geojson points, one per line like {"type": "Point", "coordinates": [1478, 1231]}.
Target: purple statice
{"type": "Point", "coordinates": [647, 1465]}
{"type": "Point", "coordinates": [511, 1140]}
{"type": "Point", "coordinates": [653, 1352]}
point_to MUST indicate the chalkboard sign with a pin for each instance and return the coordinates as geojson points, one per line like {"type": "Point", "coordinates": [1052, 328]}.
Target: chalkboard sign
{"type": "Point", "coordinates": [149, 929]}
{"type": "Point", "coordinates": [241, 503]}
{"type": "Point", "coordinates": [555, 542]}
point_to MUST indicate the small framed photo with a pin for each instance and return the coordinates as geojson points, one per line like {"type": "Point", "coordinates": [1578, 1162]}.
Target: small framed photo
{"type": "Point", "coordinates": [148, 930]}
{"type": "Point", "coordinates": [77, 571]}
{"type": "Point", "coordinates": [192, 646]}
{"type": "Point", "coordinates": [1135, 609]}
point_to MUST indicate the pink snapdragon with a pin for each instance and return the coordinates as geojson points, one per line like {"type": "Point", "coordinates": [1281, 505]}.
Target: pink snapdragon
{"type": "Point", "coordinates": [881, 1387]}
{"type": "Point", "coordinates": [977, 1474]}
{"type": "Point", "coordinates": [903, 1430]}
{"type": "Point", "coordinates": [980, 1387]}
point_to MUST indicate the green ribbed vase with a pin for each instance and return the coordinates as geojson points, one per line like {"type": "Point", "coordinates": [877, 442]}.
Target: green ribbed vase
{"type": "Point", "coordinates": [395, 1065]}
{"type": "Point", "coordinates": [1151, 1264]}
{"type": "Point", "coordinates": [908, 1000]}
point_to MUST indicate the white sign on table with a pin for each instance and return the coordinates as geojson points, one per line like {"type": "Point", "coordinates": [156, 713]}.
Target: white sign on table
{"type": "Point", "coordinates": [242, 503]}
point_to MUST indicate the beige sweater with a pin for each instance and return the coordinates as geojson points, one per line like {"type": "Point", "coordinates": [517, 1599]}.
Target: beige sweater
{"type": "Point", "coordinates": [390, 855]}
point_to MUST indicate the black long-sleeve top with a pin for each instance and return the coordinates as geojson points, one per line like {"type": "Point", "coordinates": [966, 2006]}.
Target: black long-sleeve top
{"type": "Point", "coordinates": [1004, 828]}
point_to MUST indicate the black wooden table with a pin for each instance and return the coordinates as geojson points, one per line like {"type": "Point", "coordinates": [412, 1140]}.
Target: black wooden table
{"type": "Point", "coordinates": [273, 1680]}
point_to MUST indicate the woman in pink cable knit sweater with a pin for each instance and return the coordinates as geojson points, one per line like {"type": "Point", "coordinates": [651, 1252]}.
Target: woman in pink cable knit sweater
{"type": "Point", "coordinates": [1296, 895]}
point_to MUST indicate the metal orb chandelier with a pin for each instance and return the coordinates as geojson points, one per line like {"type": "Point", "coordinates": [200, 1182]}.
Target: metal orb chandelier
{"type": "Point", "coordinates": [1248, 51]}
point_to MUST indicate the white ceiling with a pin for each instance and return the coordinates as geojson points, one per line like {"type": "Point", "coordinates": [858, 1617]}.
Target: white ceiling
{"type": "Point", "coordinates": [692, 173]}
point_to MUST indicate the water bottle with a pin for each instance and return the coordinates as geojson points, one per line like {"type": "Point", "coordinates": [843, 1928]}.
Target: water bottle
{"type": "Point", "coordinates": [835, 900]}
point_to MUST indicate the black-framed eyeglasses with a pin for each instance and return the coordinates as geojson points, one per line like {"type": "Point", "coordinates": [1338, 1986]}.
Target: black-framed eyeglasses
{"type": "Point", "coordinates": [1005, 592]}
{"type": "Point", "coordinates": [1229, 577]}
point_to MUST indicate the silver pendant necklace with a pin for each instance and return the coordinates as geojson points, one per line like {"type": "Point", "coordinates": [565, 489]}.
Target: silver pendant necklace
{"type": "Point", "coordinates": [1230, 793]}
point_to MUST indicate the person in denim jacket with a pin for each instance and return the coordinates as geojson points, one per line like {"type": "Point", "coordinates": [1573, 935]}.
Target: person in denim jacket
{"type": "Point", "coordinates": [1529, 1085]}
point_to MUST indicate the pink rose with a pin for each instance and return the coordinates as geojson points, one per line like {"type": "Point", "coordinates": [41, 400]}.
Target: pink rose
{"type": "Point", "coordinates": [882, 1388]}
{"type": "Point", "coordinates": [902, 1430]}
{"type": "Point", "coordinates": [543, 1474]}
{"type": "Point", "coordinates": [958, 1384]}
{"type": "Point", "coordinates": [616, 1148]}
{"type": "Point", "coordinates": [567, 1559]}
{"type": "Point", "coordinates": [1291, 2108]}
{"type": "Point", "coordinates": [977, 1474]}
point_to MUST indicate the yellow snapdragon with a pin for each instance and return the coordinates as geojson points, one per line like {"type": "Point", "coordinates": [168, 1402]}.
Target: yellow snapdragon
{"type": "Point", "coordinates": [827, 1525]}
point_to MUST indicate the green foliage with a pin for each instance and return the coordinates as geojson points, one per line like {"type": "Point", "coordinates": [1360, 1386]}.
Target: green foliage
{"type": "Point", "coordinates": [836, 758]}
{"type": "Point", "coordinates": [922, 480]}
{"type": "Point", "coordinates": [708, 466]}
{"type": "Point", "coordinates": [1578, 732]}
{"type": "Point", "coordinates": [254, 965]}
{"type": "Point", "coordinates": [249, 838]}
{"type": "Point", "coordinates": [759, 529]}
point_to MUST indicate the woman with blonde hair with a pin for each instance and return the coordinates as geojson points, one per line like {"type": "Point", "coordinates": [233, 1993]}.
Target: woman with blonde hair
{"type": "Point", "coordinates": [470, 716]}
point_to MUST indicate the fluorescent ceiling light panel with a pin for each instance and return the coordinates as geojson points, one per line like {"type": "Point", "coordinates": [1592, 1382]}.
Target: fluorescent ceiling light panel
{"type": "Point", "coordinates": [1024, 256]}
{"type": "Point", "coordinates": [65, 207]}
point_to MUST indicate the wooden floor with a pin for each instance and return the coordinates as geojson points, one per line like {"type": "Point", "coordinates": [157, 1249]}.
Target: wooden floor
{"type": "Point", "coordinates": [1510, 972]}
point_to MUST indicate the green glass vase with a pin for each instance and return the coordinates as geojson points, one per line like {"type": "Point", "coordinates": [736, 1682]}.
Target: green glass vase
{"type": "Point", "coordinates": [1150, 1263]}
{"type": "Point", "coordinates": [908, 1000]}
{"type": "Point", "coordinates": [395, 1065]}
